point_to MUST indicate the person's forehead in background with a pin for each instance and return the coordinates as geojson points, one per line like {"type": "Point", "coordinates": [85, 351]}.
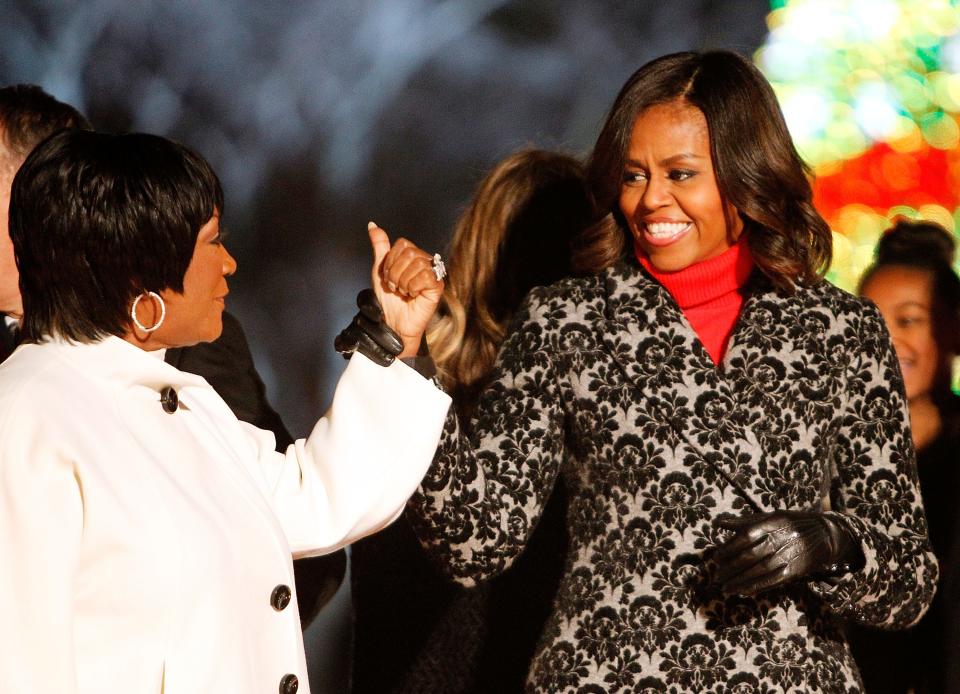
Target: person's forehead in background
{"type": "Point", "coordinates": [9, 278]}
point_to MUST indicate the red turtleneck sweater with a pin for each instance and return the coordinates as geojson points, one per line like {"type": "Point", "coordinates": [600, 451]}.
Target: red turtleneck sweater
{"type": "Point", "coordinates": [708, 294]}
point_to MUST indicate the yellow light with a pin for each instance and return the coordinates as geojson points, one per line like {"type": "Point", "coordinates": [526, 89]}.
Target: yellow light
{"type": "Point", "coordinates": [860, 221]}
{"type": "Point", "coordinates": [901, 211]}
{"type": "Point", "coordinates": [842, 249]}
{"type": "Point", "coordinates": [940, 130]}
{"type": "Point", "coordinates": [956, 237]}
{"type": "Point", "coordinates": [938, 214]}
{"type": "Point", "coordinates": [859, 228]}
{"type": "Point", "coordinates": [912, 89]}
{"type": "Point", "coordinates": [945, 89]}
{"type": "Point", "coordinates": [827, 168]}
{"type": "Point", "coordinates": [906, 136]}
{"type": "Point", "coordinates": [776, 18]}
{"type": "Point", "coordinates": [846, 134]}
{"type": "Point", "coordinates": [939, 19]}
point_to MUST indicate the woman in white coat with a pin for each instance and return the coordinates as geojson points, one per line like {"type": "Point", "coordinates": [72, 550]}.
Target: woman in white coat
{"type": "Point", "coordinates": [146, 535]}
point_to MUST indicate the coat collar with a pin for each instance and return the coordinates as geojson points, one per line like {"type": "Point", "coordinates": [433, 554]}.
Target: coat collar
{"type": "Point", "coordinates": [121, 365]}
{"type": "Point", "coordinates": [657, 349]}
{"type": "Point", "coordinates": [639, 305]}
{"type": "Point", "coordinates": [116, 360]}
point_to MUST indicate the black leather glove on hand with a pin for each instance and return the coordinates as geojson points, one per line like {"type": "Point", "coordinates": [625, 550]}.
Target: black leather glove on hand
{"type": "Point", "coordinates": [368, 334]}
{"type": "Point", "coordinates": [772, 549]}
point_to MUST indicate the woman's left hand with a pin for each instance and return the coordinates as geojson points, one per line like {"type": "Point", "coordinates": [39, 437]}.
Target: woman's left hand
{"type": "Point", "coordinates": [406, 286]}
{"type": "Point", "coordinates": [772, 549]}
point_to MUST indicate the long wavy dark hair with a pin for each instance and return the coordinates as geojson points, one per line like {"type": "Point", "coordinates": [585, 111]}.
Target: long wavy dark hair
{"type": "Point", "coordinates": [757, 166]}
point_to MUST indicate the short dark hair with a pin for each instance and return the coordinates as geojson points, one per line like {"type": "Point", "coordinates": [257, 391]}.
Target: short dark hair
{"type": "Point", "coordinates": [96, 220]}
{"type": "Point", "coordinates": [757, 166]}
{"type": "Point", "coordinates": [28, 115]}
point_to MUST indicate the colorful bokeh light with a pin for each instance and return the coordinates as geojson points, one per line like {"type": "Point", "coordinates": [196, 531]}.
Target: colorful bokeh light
{"type": "Point", "coordinates": [871, 93]}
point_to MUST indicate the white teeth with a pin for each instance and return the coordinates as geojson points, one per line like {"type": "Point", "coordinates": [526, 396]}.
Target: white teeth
{"type": "Point", "coordinates": [664, 230]}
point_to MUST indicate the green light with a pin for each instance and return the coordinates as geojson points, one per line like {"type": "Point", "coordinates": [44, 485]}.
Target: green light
{"type": "Point", "coordinates": [895, 42]}
{"type": "Point", "coordinates": [940, 130]}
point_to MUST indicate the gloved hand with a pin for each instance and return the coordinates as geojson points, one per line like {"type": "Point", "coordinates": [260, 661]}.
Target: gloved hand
{"type": "Point", "coordinates": [369, 334]}
{"type": "Point", "coordinates": [771, 549]}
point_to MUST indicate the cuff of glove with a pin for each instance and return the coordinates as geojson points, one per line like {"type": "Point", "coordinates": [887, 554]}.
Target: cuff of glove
{"type": "Point", "coordinates": [848, 551]}
{"type": "Point", "coordinates": [354, 340]}
{"type": "Point", "coordinates": [368, 333]}
{"type": "Point", "coordinates": [837, 570]}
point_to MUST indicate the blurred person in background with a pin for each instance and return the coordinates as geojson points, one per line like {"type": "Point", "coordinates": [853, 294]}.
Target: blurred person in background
{"type": "Point", "coordinates": [416, 631]}
{"type": "Point", "coordinates": [28, 115]}
{"type": "Point", "coordinates": [914, 285]}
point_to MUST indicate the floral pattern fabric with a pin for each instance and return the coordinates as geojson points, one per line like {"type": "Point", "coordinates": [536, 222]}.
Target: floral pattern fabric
{"type": "Point", "coordinates": [603, 381]}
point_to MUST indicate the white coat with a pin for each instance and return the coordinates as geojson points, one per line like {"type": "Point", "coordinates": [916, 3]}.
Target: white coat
{"type": "Point", "coordinates": [147, 552]}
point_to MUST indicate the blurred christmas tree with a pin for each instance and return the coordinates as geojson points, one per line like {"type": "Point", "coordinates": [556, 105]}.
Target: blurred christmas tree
{"type": "Point", "coordinates": [871, 93]}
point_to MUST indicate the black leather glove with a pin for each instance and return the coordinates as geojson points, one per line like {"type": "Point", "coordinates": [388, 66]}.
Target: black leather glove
{"type": "Point", "coordinates": [368, 334]}
{"type": "Point", "coordinates": [771, 549]}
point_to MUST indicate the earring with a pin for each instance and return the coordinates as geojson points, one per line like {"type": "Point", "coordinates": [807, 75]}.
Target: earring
{"type": "Point", "coordinates": [163, 312]}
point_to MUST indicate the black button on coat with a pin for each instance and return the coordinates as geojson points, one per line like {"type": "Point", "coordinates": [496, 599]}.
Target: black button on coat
{"type": "Point", "coordinates": [169, 400]}
{"type": "Point", "coordinates": [280, 597]}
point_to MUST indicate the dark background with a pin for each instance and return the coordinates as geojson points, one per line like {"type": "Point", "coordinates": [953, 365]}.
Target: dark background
{"type": "Point", "coordinates": [321, 115]}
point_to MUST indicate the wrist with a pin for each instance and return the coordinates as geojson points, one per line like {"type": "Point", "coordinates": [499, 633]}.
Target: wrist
{"type": "Point", "coordinates": [412, 346]}
{"type": "Point", "coordinates": [421, 362]}
{"type": "Point", "coordinates": [369, 334]}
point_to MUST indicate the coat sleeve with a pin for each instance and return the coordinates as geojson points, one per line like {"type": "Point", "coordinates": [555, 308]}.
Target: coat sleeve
{"type": "Point", "coordinates": [876, 492]}
{"type": "Point", "coordinates": [486, 490]}
{"type": "Point", "coordinates": [41, 521]}
{"type": "Point", "coordinates": [353, 475]}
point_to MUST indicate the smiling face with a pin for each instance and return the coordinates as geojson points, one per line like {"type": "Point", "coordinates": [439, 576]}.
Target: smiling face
{"type": "Point", "coordinates": [669, 196]}
{"type": "Point", "coordinates": [905, 298]}
{"type": "Point", "coordinates": [196, 314]}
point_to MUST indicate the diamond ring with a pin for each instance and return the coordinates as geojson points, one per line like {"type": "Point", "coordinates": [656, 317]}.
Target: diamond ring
{"type": "Point", "coordinates": [439, 269]}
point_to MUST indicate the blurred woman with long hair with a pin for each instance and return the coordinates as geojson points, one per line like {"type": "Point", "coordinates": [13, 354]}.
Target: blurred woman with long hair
{"type": "Point", "coordinates": [415, 630]}
{"type": "Point", "coordinates": [514, 236]}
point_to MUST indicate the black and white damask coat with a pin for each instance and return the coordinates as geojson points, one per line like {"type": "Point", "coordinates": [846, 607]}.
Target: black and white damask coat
{"type": "Point", "coordinates": [603, 380]}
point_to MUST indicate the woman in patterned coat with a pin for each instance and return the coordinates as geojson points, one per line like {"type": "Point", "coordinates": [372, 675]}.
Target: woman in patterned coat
{"type": "Point", "coordinates": [731, 428]}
